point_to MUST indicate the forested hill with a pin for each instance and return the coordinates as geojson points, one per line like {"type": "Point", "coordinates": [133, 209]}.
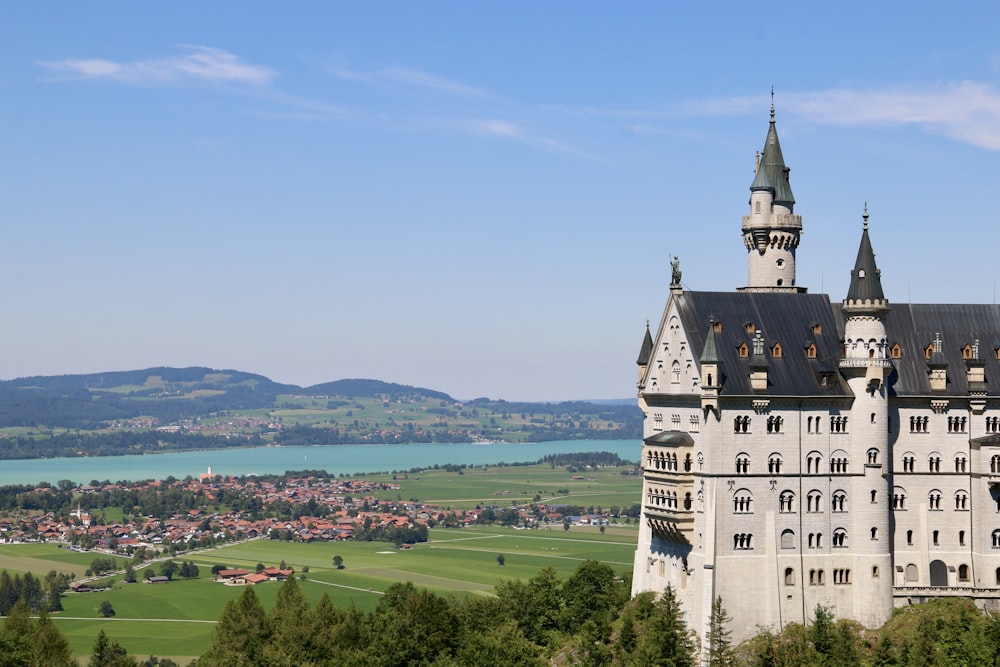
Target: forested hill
{"type": "Point", "coordinates": [160, 409]}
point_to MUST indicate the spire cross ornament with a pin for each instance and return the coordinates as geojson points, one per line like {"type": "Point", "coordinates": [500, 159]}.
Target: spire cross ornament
{"type": "Point", "coordinates": [864, 216]}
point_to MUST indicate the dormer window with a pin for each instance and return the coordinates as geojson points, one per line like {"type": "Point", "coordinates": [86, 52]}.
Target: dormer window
{"type": "Point", "coordinates": [811, 351]}
{"type": "Point", "coordinates": [717, 327]}
{"type": "Point", "coordinates": [861, 273]}
{"type": "Point", "coordinates": [743, 350]}
{"type": "Point", "coordinates": [750, 327]}
{"type": "Point", "coordinates": [928, 351]}
{"type": "Point", "coordinates": [967, 352]}
{"type": "Point", "coordinates": [818, 329]}
{"type": "Point", "coordinates": [776, 351]}
{"type": "Point", "coordinates": [896, 352]}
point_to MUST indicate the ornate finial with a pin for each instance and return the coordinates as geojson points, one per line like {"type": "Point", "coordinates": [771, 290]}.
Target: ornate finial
{"type": "Point", "coordinates": [772, 104]}
{"type": "Point", "coordinates": [864, 216]}
{"type": "Point", "coordinates": [647, 324]}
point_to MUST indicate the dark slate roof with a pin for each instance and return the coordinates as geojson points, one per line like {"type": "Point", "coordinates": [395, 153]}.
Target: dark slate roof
{"type": "Point", "coordinates": [787, 318]}
{"type": "Point", "coordinates": [646, 349]}
{"type": "Point", "coordinates": [669, 438]}
{"type": "Point", "coordinates": [866, 279]}
{"type": "Point", "coordinates": [915, 326]}
{"type": "Point", "coordinates": [773, 162]}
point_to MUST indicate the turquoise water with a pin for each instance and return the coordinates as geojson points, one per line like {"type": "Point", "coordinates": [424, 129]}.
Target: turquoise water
{"type": "Point", "coordinates": [336, 459]}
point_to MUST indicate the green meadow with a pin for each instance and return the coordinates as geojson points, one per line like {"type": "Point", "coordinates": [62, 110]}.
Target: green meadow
{"type": "Point", "coordinates": [176, 619]}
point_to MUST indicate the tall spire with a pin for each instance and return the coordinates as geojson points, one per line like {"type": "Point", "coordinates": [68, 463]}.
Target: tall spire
{"type": "Point", "coordinates": [866, 279]}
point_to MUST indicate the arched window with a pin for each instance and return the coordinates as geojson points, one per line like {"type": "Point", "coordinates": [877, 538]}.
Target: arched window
{"type": "Point", "coordinates": [960, 461]}
{"type": "Point", "coordinates": [814, 461]}
{"type": "Point", "coordinates": [911, 573]}
{"type": "Point", "coordinates": [786, 502]}
{"type": "Point", "coordinates": [963, 572]}
{"type": "Point", "coordinates": [873, 456]}
{"type": "Point", "coordinates": [909, 538]}
{"type": "Point", "coordinates": [996, 538]}
{"type": "Point", "coordinates": [995, 464]}
{"type": "Point", "coordinates": [934, 537]}
{"type": "Point", "coordinates": [840, 538]}
{"type": "Point", "coordinates": [896, 352]}
{"type": "Point", "coordinates": [789, 576]}
{"type": "Point", "coordinates": [961, 538]}
{"type": "Point", "coordinates": [741, 424]}
{"type": "Point", "coordinates": [838, 502]}
{"type": "Point", "coordinates": [787, 539]}
{"type": "Point", "coordinates": [741, 501]}
{"type": "Point", "coordinates": [774, 463]}
{"type": "Point", "coordinates": [742, 541]}
{"type": "Point", "coordinates": [908, 461]}
{"type": "Point", "coordinates": [874, 533]}
{"type": "Point", "coordinates": [997, 574]}
{"type": "Point", "coordinates": [774, 423]}
{"type": "Point", "coordinates": [742, 463]}
{"type": "Point", "coordinates": [934, 500]}
{"type": "Point", "coordinates": [813, 499]}
{"type": "Point", "coordinates": [934, 462]}
{"type": "Point", "coordinates": [898, 498]}
{"type": "Point", "coordinates": [962, 501]}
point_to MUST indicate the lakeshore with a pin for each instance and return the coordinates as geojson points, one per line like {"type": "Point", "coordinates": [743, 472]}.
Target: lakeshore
{"type": "Point", "coordinates": [335, 459]}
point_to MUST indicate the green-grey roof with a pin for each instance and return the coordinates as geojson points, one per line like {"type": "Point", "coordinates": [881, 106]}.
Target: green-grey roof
{"type": "Point", "coordinates": [772, 162]}
{"type": "Point", "coordinates": [866, 279]}
{"type": "Point", "coordinates": [646, 350]}
{"type": "Point", "coordinates": [710, 355]}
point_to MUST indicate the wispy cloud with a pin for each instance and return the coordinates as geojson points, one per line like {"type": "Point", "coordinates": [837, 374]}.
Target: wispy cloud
{"type": "Point", "coordinates": [966, 111]}
{"type": "Point", "coordinates": [198, 63]}
{"type": "Point", "coordinates": [409, 77]}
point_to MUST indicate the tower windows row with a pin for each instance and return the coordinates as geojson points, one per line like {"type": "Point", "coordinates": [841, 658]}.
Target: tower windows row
{"type": "Point", "coordinates": [742, 502]}
{"type": "Point", "coordinates": [841, 576]}
{"type": "Point", "coordinates": [918, 424]}
{"type": "Point", "coordinates": [774, 423]}
{"type": "Point", "coordinates": [956, 424]}
{"type": "Point", "coordinates": [934, 463]}
{"type": "Point", "coordinates": [936, 538]}
{"type": "Point", "coordinates": [838, 424]}
{"type": "Point", "coordinates": [741, 424]}
{"type": "Point", "coordinates": [659, 498]}
{"type": "Point", "coordinates": [662, 461]}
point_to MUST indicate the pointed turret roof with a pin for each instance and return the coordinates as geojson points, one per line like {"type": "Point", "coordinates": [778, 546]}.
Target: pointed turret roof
{"type": "Point", "coordinates": [647, 348]}
{"type": "Point", "coordinates": [772, 164]}
{"type": "Point", "coordinates": [866, 279]}
{"type": "Point", "coordinates": [710, 354]}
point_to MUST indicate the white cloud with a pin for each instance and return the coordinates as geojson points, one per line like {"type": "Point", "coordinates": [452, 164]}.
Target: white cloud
{"type": "Point", "coordinates": [409, 77]}
{"type": "Point", "coordinates": [199, 63]}
{"type": "Point", "coordinates": [496, 128]}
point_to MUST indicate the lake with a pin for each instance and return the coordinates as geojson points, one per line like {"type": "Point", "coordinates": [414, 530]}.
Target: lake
{"type": "Point", "coordinates": [335, 459]}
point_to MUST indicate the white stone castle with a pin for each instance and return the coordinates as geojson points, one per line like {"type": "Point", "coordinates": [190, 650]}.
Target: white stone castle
{"type": "Point", "coordinates": [800, 452]}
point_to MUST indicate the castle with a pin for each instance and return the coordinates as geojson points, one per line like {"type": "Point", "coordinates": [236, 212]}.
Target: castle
{"type": "Point", "coordinates": [800, 452]}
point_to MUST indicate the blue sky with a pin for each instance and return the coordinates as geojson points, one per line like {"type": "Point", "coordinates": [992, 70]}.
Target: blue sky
{"type": "Point", "coordinates": [478, 197]}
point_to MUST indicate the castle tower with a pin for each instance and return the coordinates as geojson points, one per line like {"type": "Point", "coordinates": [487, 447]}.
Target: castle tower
{"type": "Point", "coordinates": [866, 365]}
{"type": "Point", "coordinates": [771, 232]}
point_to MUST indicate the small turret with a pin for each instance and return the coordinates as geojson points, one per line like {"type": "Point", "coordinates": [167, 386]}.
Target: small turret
{"type": "Point", "coordinates": [645, 352]}
{"type": "Point", "coordinates": [937, 366]}
{"type": "Point", "coordinates": [758, 365]}
{"type": "Point", "coordinates": [711, 371]}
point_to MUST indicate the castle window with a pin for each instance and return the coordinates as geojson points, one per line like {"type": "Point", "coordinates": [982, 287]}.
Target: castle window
{"type": "Point", "coordinates": [789, 576]}
{"type": "Point", "coordinates": [741, 502]}
{"type": "Point", "coordinates": [934, 537]}
{"type": "Point", "coordinates": [961, 538]}
{"type": "Point", "coordinates": [909, 538]}
{"type": "Point", "coordinates": [840, 538]}
{"type": "Point", "coordinates": [911, 572]}
{"type": "Point", "coordinates": [874, 571]}
{"type": "Point", "coordinates": [838, 424]}
{"type": "Point", "coordinates": [874, 496]}
{"type": "Point", "coordinates": [838, 502]}
{"type": "Point", "coordinates": [813, 499]}
{"type": "Point", "coordinates": [960, 462]}
{"type": "Point", "coordinates": [787, 539]}
{"type": "Point", "coordinates": [967, 352]}
{"type": "Point", "coordinates": [872, 456]}
{"type": "Point", "coordinates": [996, 539]}
{"type": "Point", "coordinates": [742, 541]}
{"type": "Point", "coordinates": [815, 540]}
{"type": "Point", "coordinates": [838, 465]}
{"type": "Point", "coordinates": [774, 464]}
{"type": "Point", "coordinates": [717, 327]}
{"type": "Point", "coordinates": [995, 464]}
{"type": "Point", "coordinates": [741, 424]}
{"type": "Point", "coordinates": [776, 351]}
{"type": "Point", "coordinates": [675, 369]}
{"type": "Point", "coordinates": [918, 424]}
{"type": "Point", "coordinates": [896, 352]}
{"type": "Point", "coordinates": [774, 424]}
{"type": "Point", "coordinates": [750, 327]}
{"type": "Point", "coordinates": [841, 576]}
{"type": "Point", "coordinates": [874, 533]}
{"type": "Point", "coordinates": [993, 424]}
{"type": "Point", "coordinates": [998, 576]}
{"type": "Point", "coordinates": [742, 464]}
{"type": "Point", "coordinates": [934, 463]}
{"type": "Point", "coordinates": [934, 500]}
{"type": "Point", "coordinates": [898, 499]}
{"type": "Point", "coordinates": [956, 424]}
{"type": "Point", "coordinates": [813, 462]}
{"type": "Point", "coordinates": [928, 351]}
{"type": "Point", "coordinates": [817, 329]}
{"type": "Point", "coordinates": [961, 501]}
{"type": "Point", "coordinates": [786, 502]}
{"type": "Point", "coordinates": [908, 462]}
{"type": "Point", "coordinates": [743, 350]}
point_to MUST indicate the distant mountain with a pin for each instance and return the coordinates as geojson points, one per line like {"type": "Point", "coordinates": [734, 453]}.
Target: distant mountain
{"type": "Point", "coordinates": [372, 388]}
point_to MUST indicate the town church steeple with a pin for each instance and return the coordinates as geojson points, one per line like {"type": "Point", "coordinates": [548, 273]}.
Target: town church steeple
{"type": "Point", "coordinates": [771, 232]}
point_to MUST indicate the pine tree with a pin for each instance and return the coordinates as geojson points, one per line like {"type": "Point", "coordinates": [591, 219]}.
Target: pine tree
{"type": "Point", "coordinates": [665, 638]}
{"type": "Point", "coordinates": [288, 625]}
{"type": "Point", "coordinates": [240, 635]}
{"type": "Point", "coordinates": [48, 645]}
{"type": "Point", "coordinates": [720, 648]}
{"type": "Point", "coordinates": [109, 654]}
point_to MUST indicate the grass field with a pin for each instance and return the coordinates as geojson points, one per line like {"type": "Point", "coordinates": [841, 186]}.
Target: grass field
{"type": "Point", "coordinates": [176, 619]}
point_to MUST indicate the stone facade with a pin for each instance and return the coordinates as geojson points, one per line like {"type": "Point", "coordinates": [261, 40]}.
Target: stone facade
{"type": "Point", "coordinates": [800, 452]}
